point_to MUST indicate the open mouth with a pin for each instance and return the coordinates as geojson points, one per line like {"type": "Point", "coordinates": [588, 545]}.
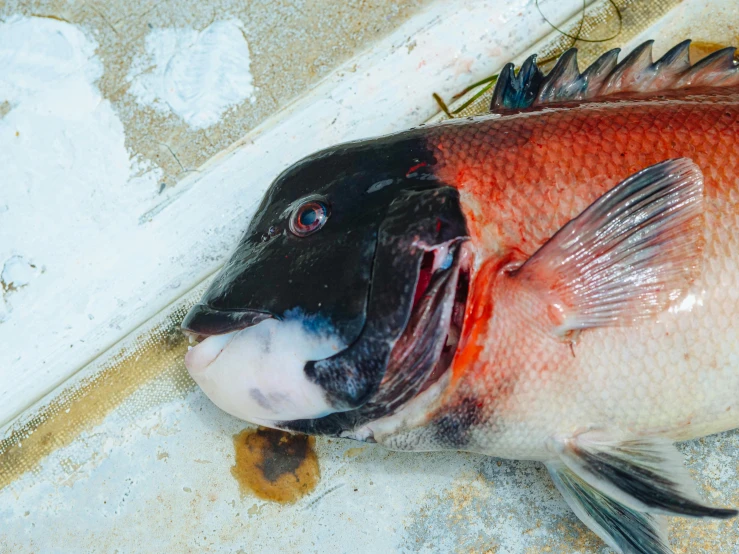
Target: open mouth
{"type": "Point", "coordinates": [425, 350]}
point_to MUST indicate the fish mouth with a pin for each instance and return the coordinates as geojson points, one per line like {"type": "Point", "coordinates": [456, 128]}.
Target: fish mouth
{"type": "Point", "coordinates": [209, 331]}
{"type": "Point", "coordinates": [426, 348]}
{"type": "Point", "coordinates": [202, 321]}
{"type": "Point", "coordinates": [419, 358]}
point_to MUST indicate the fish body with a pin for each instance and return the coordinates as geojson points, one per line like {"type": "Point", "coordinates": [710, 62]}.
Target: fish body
{"type": "Point", "coordinates": [554, 281]}
{"type": "Point", "coordinates": [523, 177]}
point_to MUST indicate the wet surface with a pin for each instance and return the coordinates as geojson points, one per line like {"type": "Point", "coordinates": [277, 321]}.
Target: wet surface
{"type": "Point", "coordinates": [274, 465]}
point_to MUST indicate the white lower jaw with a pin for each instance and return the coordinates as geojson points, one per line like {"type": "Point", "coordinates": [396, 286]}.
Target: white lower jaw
{"type": "Point", "coordinates": [257, 374]}
{"type": "Point", "coordinates": [199, 357]}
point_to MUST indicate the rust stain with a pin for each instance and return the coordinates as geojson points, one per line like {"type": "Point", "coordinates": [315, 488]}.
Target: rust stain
{"type": "Point", "coordinates": [275, 465]}
{"type": "Point", "coordinates": [699, 49]}
{"type": "Point", "coordinates": [354, 452]}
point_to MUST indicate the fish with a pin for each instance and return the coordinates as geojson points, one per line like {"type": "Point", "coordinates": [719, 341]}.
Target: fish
{"type": "Point", "coordinates": [556, 280]}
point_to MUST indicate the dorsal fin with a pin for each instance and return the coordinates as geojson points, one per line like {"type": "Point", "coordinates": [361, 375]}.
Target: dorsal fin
{"type": "Point", "coordinates": [636, 73]}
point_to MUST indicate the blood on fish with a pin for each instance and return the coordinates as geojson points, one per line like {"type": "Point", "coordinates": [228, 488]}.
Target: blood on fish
{"type": "Point", "coordinates": [415, 168]}
{"type": "Point", "coordinates": [479, 311]}
{"type": "Point", "coordinates": [424, 276]}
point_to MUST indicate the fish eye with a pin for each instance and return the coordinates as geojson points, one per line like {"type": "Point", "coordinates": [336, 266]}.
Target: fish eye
{"type": "Point", "coordinates": [309, 217]}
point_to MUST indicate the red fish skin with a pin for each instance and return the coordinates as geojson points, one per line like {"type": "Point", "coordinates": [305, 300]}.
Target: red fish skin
{"type": "Point", "coordinates": [521, 178]}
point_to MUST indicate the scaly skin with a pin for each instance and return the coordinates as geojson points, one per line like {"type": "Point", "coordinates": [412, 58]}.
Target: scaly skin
{"type": "Point", "coordinates": [521, 178]}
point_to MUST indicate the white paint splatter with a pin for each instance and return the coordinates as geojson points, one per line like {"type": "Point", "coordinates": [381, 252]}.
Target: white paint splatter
{"type": "Point", "coordinates": [36, 54]}
{"type": "Point", "coordinates": [196, 75]}
{"type": "Point", "coordinates": [64, 161]}
{"type": "Point", "coordinates": [17, 272]}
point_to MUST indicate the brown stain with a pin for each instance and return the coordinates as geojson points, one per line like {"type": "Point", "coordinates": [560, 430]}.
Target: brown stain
{"type": "Point", "coordinates": [275, 465]}
{"type": "Point", "coordinates": [82, 406]}
{"type": "Point", "coordinates": [695, 535]}
{"type": "Point", "coordinates": [354, 452]}
{"type": "Point", "coordinates": [699, 49]}
{"type": "Point", "coordinates": [51, 16]}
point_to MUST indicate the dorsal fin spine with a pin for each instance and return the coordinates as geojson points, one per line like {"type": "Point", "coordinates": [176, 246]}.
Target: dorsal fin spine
{"type": "Point", "coordinates": [598, 72]}
{"type": "Point", "coordinates": [518, 89]}
{"type": "Point", "coordinates": [677, 57]}
{"type": "Point", "coordinates": [561, 79]}
{"type": "Point", "coordinates": [718, 67]}
{"type": "Point", "coordinates": [606, 76]}
{"type": "Point", "coordinates": [675, 62]}
{"type": "Point", "coordinates": [630, 71]}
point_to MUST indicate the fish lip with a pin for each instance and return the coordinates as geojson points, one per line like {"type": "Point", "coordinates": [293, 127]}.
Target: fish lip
{"type": "Point", "coordinates": [202, 321]}
{"type": "Point", "coordinates": [202, 342]}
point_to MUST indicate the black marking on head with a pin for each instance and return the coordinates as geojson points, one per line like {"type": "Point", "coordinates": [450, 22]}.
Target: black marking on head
{"type": "Point", "coordinates": [260, 399]}
{"type": "Point", "coordinates": [356, 275]}
{"type": "Point", "coordinates": [415, 219]}
{"type": "Point", "coordinates": [327, 273]}
{"type": "Point", "coordinates": [379, 185]}
{"type": "Point", "coordinates": [352, 377]}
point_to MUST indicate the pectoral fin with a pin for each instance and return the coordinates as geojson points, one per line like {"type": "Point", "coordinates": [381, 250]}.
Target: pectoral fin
{"type": "Point", "coordinates": [619, 488]}
{"type": "Point", "coordinates": [630, 254]}
{"type": "Point", "coordinates": [625, 530]}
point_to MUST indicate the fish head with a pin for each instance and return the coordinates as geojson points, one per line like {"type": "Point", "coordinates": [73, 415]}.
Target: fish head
{"type": "Point", "coordinates": [311, 309]}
